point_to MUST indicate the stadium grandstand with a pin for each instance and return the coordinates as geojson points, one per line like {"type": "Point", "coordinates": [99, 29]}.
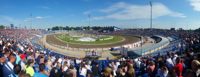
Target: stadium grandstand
{"type": "Point", "coordinates": [166, 56]}
{"type": "Point", "coordinates": [35, 46]}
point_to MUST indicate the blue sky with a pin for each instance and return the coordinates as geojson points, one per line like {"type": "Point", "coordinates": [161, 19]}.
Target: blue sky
{"type": "Point", "coordinates": [122, 13]}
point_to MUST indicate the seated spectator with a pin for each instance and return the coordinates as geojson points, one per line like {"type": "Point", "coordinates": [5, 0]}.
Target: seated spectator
{"type": "Point", "coordinates": [42, 72]}
{"type": "Point", "coordinates": [190, 73]}
{"type": "Point", "coordinates": [162, 72]}
{"type": "Point", "coordinates": [23, 74]}
{"type": "Point", "coordinates": [196, 67]}
{"type": "Point", "coordinates": [107, 72]}
{"type": "Point", "coordinates": [55, 72]}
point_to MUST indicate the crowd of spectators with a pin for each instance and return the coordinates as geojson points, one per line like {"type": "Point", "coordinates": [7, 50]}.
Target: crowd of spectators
{"type": "Point", "coordinates": [20, 58]}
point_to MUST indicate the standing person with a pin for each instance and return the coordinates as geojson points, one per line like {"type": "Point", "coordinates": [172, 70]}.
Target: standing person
{"type": "Point", "coordinates": [29, 67]}
{"type": "Point", "coordinates": [169, 63]}
{"type": "Point", "coordinates": [2, 61]}
{"type": "Point", "coordinates": [95, 70]}
{"type": "Point", "coordinates": [8, 66]}
{"type": "Point", "coordinates": [151, 68]}
{"type": "Point", "coordinates": [73, 70]}
{"type": "Point", "coordinates": [70, 72]}
{"type": "Point", "coordinates": [179, 67]}
{"type": "Point", "coordinates": [130, 71]}
{"type": "Point", "coordinates": [83, 70]}
{"type": "Point", "coordinates": [42, 72]}
{"type": "Point", "coordinates": [196, 67]}
{"type": "Point", "coordinates": [17, 70]}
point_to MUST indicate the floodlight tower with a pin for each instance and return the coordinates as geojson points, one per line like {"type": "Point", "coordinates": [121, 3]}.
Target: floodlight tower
{"type": "Point", "coordinates": [150, 15]}
{"type": "Point", "coordinates": [89, 17]}
{"type": "Point", "coordinates": [31, 20]}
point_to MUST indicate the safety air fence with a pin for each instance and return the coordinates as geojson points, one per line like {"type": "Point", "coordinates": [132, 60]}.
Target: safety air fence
{"type": "Point", "coordinates": [153, 48]}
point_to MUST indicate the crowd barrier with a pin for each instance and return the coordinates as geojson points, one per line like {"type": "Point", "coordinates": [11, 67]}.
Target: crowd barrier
{"type": "Point", "coordinates": [151, 48]}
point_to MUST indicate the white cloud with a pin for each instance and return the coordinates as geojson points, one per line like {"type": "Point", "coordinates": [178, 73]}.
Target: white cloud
{"type": "Point", "coordinates": [115, 7]}
{"type": "Point", "coordinates": [98, 17]}
{"type": "Point", "coordinates": [39, 17]}
{"type": "Point", "coordinates": [36, 18]}
{"type": "Point", "coordinates": [126, 11]}
{"type": "Point", "coordinates": [86, 12]}
{"type": "Point", "coordinates": [28, 19]}
{"type": "Point", "coordinates": [195, 4]}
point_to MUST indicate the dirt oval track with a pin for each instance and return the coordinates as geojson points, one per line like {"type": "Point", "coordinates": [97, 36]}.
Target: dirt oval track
{"type": "Point", "coordinates": [51, 39]}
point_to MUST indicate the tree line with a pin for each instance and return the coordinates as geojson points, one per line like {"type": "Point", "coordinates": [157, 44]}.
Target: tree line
{"type": "Point", "coordinates": [2, 27]}
{"type": "Point", "coordinates": [97, 28]}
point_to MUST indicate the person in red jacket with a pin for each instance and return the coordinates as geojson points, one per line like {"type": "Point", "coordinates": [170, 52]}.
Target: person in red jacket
{"type": "Point", "coordinates": [179, 67]}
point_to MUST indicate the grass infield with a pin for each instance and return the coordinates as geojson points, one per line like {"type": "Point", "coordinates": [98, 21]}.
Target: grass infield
{"type": "Point", "coordinates": [62, 41]}
{"type": "Point", "coordinates": [74, 40]}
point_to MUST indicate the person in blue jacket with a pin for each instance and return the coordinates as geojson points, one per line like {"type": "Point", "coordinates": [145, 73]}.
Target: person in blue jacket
{"type": "Point", "coordinates": [9, 66]}
{"type": "Point", "coordinates": [2, 61]}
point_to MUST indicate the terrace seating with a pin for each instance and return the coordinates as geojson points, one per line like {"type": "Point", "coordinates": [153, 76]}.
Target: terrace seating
{"type": "Point", "coordinates": [58, 64]}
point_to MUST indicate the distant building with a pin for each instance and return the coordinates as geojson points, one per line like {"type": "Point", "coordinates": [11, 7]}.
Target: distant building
{"type": "Point", "coordinates": [181, 29]}
{"type": "Point", "coordinates": [172, 29]}
{"type": "Point", "coordinates": [116, 28]}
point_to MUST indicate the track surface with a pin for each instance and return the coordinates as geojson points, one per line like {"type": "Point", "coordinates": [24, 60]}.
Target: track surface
{"type": "Point", "coordinates": [51, 39]}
